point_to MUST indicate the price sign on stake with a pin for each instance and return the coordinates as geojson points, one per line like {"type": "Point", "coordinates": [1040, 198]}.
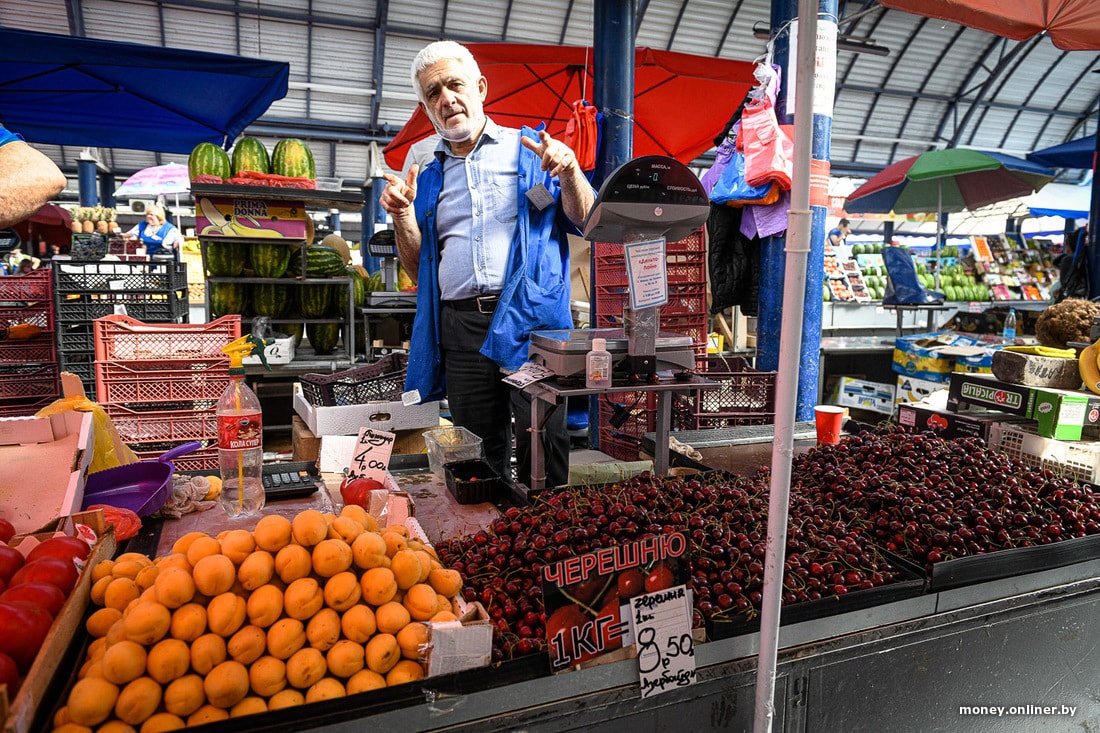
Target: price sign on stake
{"type": "Point", "coordinates": [662, 630]}
{"type": "Point", "coordinates": [371, 456]}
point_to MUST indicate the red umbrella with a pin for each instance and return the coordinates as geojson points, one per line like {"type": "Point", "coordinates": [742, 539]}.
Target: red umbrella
{"type": "Point", "coordinates": [1073, 25]}
{"type": "Point", "coordinates": [681, 101]}
{"type": "Point", "coordinates": [52, 223]}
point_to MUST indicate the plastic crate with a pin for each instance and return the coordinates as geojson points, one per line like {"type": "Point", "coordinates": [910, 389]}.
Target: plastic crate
{"type": "Point", "coordinates": [154, 309]}
{"type": "Point", "coordinates": [36, 285]}
{"type": "Point", "coordinates": [1076, 459]}
{"type": "Point", "coordinates": [134, 277]}
{"type": "Point", "coordinates": [746, 397]}
{"type": "Point", "coordinates": [204, 459]}
{"type": "Point", "coordinates": [683, 300]}
{"type": "Point", "coordinates": [85, 371]}
{"type": "Point", "coordinates": [140, 426]}
{"type": "Point", "coordinates": [27, 406]}
{"type": "Point", "coordinates": [693, 242]}
{"type": "Point", "coordinates": [76, 339]}
{"type": "Point", "coordinates": [471, 482]}
{"type": "Point", "coordinates": [23, 381]}
{"type": "Point", "coordinates": [161, 381]}
{"type": "Point", "coordinates": [383, 380]}
{"type": "Point", "coordinates": [125, 338]}
{"type": "Point", "coordinates": [39, 313]}
{"type": "Point", "coordinates": [621, 433]}
{"type": "Point", "coordinates": [685, 267]}
{"type": "Point", "coordinates": [38, 350]}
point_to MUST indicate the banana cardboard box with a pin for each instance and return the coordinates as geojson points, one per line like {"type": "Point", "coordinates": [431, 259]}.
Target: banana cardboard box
{"type": "Point", "coordinates": [217, 216]}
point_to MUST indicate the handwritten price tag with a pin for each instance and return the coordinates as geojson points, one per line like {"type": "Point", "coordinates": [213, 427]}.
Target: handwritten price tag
{"type": "Point", "coordinates": [662, 628]}
{"type": "Point", "coordinates": [371, 456]}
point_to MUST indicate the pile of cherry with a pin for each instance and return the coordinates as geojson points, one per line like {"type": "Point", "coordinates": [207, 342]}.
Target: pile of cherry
{"type": "Point", "coordinates": [925, 498]}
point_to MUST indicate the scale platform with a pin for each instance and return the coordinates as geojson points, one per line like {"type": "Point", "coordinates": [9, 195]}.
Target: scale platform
{"type": "Point", "coordinates": [564, 351]}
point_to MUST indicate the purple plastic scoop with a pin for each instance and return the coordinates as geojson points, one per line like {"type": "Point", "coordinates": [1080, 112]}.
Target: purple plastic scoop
{"type": "Point", "coordinates": [141, 487]}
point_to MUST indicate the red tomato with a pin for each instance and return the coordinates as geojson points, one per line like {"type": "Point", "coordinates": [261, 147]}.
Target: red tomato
{"type": "Point", "coordinates": [11, 560]}
{"type": "Point", "coordinates": [67, 548]}
{"type": "Point", "coordinates": [43, 595]}
{"type": "Point", "coordinates": [7, 530]}
{"type": "Point", "coordinates": [357, 490]}
{"type": "Point", "coordinates": [23, 628]}
{"type": "Point", "coordinates": [9, 675]}
{"type": "Point", "coordinates": [54, 570]}
{"type": "Point", "coordinates": [659, 578]}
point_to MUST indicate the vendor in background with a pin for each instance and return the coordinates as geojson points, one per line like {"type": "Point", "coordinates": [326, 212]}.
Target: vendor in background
{"type": "Point", "coordinates": [483, 230]}
{"type": "Point", "coordinates": [840, 234]}
{"type": "Point", "coordinates": [28, 179]}
{"type": "Point", "coordinates": [160, 237]}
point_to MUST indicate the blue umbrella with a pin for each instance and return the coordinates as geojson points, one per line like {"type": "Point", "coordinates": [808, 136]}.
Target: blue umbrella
{"type": "Point", "coordinates": [1074, 154]}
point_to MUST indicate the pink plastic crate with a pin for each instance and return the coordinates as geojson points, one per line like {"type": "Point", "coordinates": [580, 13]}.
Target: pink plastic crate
{"type": "Point", "coordinates": [746, 397]}
{"type": "Point", "coordinates": [38, 350]}
{"type": "Point", "coordinates": [161, 381]}
{"type": "Point", "coordinates": [136, 425]}
{"type": "Point", "coordinates": [34, 286]}
{"type": "Point", "coordinates": [40, 314]}
{"type": "Point", "coordinates": [204, 459]}
{"type": "Point", "coordinates": [24, 381]}
{"type": "Point", "coordinates": [127, 339]}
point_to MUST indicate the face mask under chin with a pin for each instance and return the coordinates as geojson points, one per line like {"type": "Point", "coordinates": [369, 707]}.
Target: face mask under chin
{"type": "Point", "coordinates": [460, 135]}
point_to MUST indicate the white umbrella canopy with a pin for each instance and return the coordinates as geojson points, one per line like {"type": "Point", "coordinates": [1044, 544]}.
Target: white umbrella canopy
{"type": "Point", "coordinates": [159, 180]}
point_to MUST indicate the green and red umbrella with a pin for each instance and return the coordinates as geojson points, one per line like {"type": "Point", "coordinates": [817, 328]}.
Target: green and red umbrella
{"type": "Point", "coordinates": [950, 180]}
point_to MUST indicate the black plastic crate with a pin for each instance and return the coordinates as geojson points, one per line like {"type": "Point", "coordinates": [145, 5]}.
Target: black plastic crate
{"type": "Point", "coordinates": [382, 380]}
{"type": "Point", "coordinates": [169, 310]}
{"type": "Point", "coordinates": [112, 277]}
{"type": "Point", "coordinates": [76, 338]}
{"type": "Point", "coordinates": [472, 481]}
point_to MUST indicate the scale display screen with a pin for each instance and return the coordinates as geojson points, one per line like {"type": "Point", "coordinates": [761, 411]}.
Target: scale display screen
{"type": "Point", "coordinates": [382, 244]}
{"type": "Point", "coordinates": [646, 198]}
{"type": "Point", "coordinates": [653, 179]}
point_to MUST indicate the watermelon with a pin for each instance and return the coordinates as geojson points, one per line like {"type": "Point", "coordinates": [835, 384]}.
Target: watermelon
{"type": "Point", "coordinates": [269, 259]}
{"type": "Point", "coordinates": [225, 259]}
{"type": "Point", "coordinates": [313, 300]}
{"type": "Point", "coordinates": [249, 154]}
{"type": "Point", "coordinates": [270, 299]}
{"type": "Point", "coordinates": [359, 283]}
{"type": "Point", "coordinates": [292, 157]}
{"type": "Point", "coordinates": [323, 337]}
{"type": "Point", "coordinates": [323, 261]}
{"type": "Point", "coordinates": [227, 298]}
{"type": "Point", "coordinates": [293, 329]}
{"type": "Point", "coordinates": [207, 159]}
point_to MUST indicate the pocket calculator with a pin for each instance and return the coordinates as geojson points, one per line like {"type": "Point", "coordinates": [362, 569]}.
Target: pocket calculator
{"type": "Point", "coordinates": [289, 480]}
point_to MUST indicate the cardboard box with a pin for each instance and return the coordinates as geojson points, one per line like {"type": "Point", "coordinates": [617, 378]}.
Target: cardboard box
{"type": "Point", "coordinates": [279, 352]}
{"type": "Point", "coordinates": [953, 424]}
{"type": "Point", "coordinates": [348, 419]}
{"type": "Point", "coordinates": [1059, 413]}
{"type": "Point", "coordinates": [863, 395]}
{"type": "Point", "coordinates": [934, 356]}
{"type": "Point", "coordinates": [911, 389]}
{"type": "Point", "coordinates": [32, 693]}
{"type": "Point", "coordinates": [43, 462]}
{"type": "Point", "coordinates": [305, 445]}
{"type": "Point", "coordinates": [227, 216]}
{"type": "Point", "coordinates": [982, 391]}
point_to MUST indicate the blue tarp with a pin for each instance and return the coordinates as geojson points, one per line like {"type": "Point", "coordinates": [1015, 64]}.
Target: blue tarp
{"type": "Point", "coordinates": [1074, 154]}
{"type": "Point", "coordinates": [66, 90]}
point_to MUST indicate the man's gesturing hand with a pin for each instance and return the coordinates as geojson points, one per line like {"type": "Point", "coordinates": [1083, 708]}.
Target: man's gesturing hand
{"type": "Point", "coordinates": [557, 157]}
{"type": "Point", "coordinates": [399, 195]}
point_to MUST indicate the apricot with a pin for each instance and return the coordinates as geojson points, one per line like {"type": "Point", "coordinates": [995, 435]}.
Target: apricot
{"type": "Point", "coordinates": [425, 565]}
{"type": "Point", "coordinates": [256, 570]}
{"type": "Point", "coordinates": [123, 662]}
{"type": "Point", "coordinates": [404, 671]}
{"type": "Point", "coordinates": [305, 667]}
{"type": "Point", "coordinates": [188, 622]}
{"type": "Point", "coordinates": [115, 726]}
{"type": "Point", "coordinates": [174, 587]}
{"type": "Point", "coordinates": [97, 649]}
{"type": "Point", "coordinates": [226, 684]}
{"type": "Point", "coordinates": [323, 630]}
{"type": "Point", "coordinates": [117, 632]}
{"type": "Point", "coordinates": [287, 698]}
{"type": "Point", "coordinates": [267, 675]}
{"type": "Point", "coordinates": [379, 586]}
{"type": "Point", "coordinates": [345, 658]}
{"type": "Point", "coordinates": [272, 533]}
{"type": "Point", "coordinates": [169, 659]}
{"type": "Point", "coordinates": [286, 636]}
{"type": "Point", "coordinates": [365, 680]}
{"type": "Point", "coordinates": [181, 545]}
{"type": "Point", "coordinates": [293, 562]}
{"type": "Point", "coordinates": [207, 714]}
{"type": "Point", "coordinates": [247, 645]}
{"type": "Point", "coordinates": [361, 515]}
{"type": "Point", "coordinates": [443, 603]}
{"type": "Point", "coordinates": [173, 560]}
{"type": "Point", "coordinates": [395, 541]}
{"type": "Point", "coordinates": [101, 621]}
{"type": "Point", "coordinates": [99, 589]}
{"type": "Point", "coordinates": [248, 706]}
{"type": "Point", "coordinates": [207, 652]}
{"type": "Point", "coordinates": [382, 652]}
{"type": "Point", "coordinates": [358, 623]}
{"type": "Point", "coordinates": [214, 574]}
{"type": "Point", "coordinates": [325, 689]}
{"type": "Point", "coordinates": [303, 598]}
{"type": "Point", "coordinates": [161, 723]}
{"type": "Point", "coordinates": [342, 591]}
{"type": "Point", "coordinates": [331, 557]}
{"type": "Point", "coordinates": [127, 568]}
{"type": "Point", "coordinates": [398, 529]}
{"type": "Point", "coordinates": [445, 581]}
{"type": "Point", "coordinates": [102, 569]}
{"type": "Point", "coordinates": [146, 622]}
{"type": "Point", "coordinates": [184, 695]}
{"type": "Point", "coordinates": [202, 547]}
{"type": "Point", "coordinates": [237, 544]}
{"type": "Point", "coordinates": [346, 529]}
{"type": "Point", "coordinates": [138, 700]}
{"type": "Point", "coordinates": [91, 700]}
{"type": "Point", "coordinates": [309, 527]}
{"type": "Point", "coordinates": [392, 617]}
{"type": "Point", "coordinates": [412, 639]}
{"type": "Point", "coordinates": [225, 614]}
{"type": "Point", "coordinates": [146, 576]}
{"type": "Point", "coordinates": [264, 606]}
{"type": "Point", "coordinates": [443, 616]}
{"type": "Point", "coordinates": [405, 566]}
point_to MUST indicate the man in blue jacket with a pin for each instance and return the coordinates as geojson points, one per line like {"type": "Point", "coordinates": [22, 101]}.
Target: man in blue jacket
{"type": "Point", "coordinates": [483, 232]}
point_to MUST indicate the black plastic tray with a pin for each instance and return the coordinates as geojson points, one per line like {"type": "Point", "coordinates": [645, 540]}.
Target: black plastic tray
{"type": "Point", "coordinates": [1015, 561]}
{"type": "Point", "coordinates": [472, 481]}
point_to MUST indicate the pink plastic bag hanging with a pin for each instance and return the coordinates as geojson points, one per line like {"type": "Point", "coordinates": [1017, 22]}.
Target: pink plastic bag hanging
{"type": "Point", "coordinates": [769, 153]}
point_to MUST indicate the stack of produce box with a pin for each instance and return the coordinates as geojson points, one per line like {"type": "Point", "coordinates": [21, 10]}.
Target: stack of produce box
{"type": "Point", "coordinates": [154, 292]}
{"type": "Point", "coordinates": [160, 383]}
{"type": "Point", "coordinates": [28, 366]}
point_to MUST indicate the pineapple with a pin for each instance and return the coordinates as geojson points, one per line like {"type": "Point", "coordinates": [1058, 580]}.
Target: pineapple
{"type": "Point", "coordinates": [88, 225]}
{"type": "Point", "coordinates": [99, 215]}
{"type": "Point", "coordinates": [77, 213]}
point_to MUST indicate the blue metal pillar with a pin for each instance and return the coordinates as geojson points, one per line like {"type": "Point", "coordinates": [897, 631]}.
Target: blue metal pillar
{"type": "Point", "coordinates": [772, 255]}
{"type": "Point", "coordinates": [87, 178]}
{"type": "Point", "coordinates": [107, 189]}
{"type": "Point", "coordinates": [1093, 249]}
{"type": "Point", "coordinates": [334, 221]}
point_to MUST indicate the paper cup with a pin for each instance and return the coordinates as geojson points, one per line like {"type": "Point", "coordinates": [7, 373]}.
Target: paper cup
{"type": "Point", "coordinates": [828, 419]}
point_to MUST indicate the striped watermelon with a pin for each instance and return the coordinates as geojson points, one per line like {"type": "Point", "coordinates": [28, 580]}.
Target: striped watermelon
{"type": "Point", "coordinates": [225, 259]}
{"type": "Point", "coordinates": [292, 157]}
{"type": "Point", "coordinates": [207, 159]}
{"type": "Point", "coordinates": [323, 337]}
{"type": "Point", "coordinates": [249, 154]}
{"type": "Point", "coordinates": [269, 259]}
{"type": "Point", "coordinates": [270, 299]}
{"type": "Point", "coordinates": [227, 298]}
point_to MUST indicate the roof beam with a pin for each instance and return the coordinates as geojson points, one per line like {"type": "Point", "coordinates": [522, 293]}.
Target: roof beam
{"type": "Point", "coordinates": [949, 99]}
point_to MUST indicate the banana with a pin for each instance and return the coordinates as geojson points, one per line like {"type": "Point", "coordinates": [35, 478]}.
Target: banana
{"type": "Point", "coordinates": [1048, 351]}
{"type": "Point", "coordinates": [242, 230]}
{"type": "Point", "coordinates": [1090, 370]}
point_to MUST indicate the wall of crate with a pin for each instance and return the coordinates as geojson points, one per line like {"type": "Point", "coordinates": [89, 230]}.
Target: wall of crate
{"type": "Point", "coordinates": [150, 291]}
{"type": "Point", "coordinates": [684, 313]}
{"type": "Point", "coordinates": [160, 384]}
{"type": "Point", "coordinates": [29, 371]}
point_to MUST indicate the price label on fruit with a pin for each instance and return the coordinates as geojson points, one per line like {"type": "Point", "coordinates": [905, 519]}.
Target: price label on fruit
{"type": "Point", "coordinates": [662, 631]}
{"type": "Point", "coordinates": [371, 456]}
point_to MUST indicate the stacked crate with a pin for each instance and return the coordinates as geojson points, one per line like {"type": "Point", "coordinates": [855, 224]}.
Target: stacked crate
{"type": "Point", "coordinates": [28, 367]}
{"type": "Point", "coordinates": [745, 397]}
{"type": "Point", "coordinates": [684, 313]}
{"type": "Point", "coordinates": [160, 383]}
{"type": "Point", "coordinates": [150, 291]}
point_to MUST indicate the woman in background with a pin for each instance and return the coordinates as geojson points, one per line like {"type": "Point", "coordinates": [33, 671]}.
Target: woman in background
{"type": "Point", "coordinates": [160, 237]}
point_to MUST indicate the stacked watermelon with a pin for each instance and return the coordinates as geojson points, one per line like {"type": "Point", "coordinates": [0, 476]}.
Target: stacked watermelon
{"type": "Point", "coordinates": [290, 165]}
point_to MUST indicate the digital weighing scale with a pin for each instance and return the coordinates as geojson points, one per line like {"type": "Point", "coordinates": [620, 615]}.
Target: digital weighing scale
{"type": "Point", "coordinates": [383, 244]}
{"type": "Point", "coordinates": [564, 352]}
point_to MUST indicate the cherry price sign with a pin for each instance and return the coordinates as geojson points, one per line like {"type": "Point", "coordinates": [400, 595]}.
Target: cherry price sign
{"type": "Point", "coordinates": [666, 652]}
{"type": "Point", "coordinates": [587, 597]}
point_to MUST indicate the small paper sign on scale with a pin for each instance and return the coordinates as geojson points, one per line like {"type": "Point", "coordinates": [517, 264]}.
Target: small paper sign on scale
{"type": "Point", "coordinates": [646, 270]}
{"type": "Point", "coordinates": [371, 456]}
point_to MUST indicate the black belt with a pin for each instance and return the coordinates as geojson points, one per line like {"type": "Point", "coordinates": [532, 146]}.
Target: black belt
{"type": "Point", "coordinates": [481, 303]}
